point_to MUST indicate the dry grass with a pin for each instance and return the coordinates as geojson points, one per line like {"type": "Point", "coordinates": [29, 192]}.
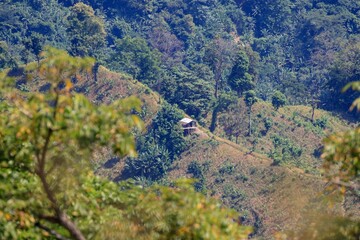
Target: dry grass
{"type": "Point", "coordinates": [274, 198]}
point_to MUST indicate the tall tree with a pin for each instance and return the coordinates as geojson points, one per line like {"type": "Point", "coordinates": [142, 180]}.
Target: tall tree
{"type": "Point", "coordinates": [240, 80]}
{"type": "Point", "coordinates": [219, 55]}
{"type": "Point", "coordinates": [52, 133]}
{"type": "Point", "coordinates": [134, 56]}
{"type": "Point", "coordinates": [47, 188]}
{"type": "Point", "coordinates": [86, 31]}
{"type": "Point", "coordinates": [278, 100]}
{"type": "Point", "coordinates": [35, 43]}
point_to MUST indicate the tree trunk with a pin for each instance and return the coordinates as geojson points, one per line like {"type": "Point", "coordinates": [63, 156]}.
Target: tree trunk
{"type": "Point", "coordinates": [95, 70]}
{"type": "Point", "coordinates": [249, 121]}
{"type": "Point", "coordinates": [214, 119]}
{"type": "Point", "coordinates": [313, 113]}
{"type": "Point", "coordinates": [216, 88]}
{"type": "Point", "coordinates": [70, 226]}
{"type": "Point", "coordinates": [38, 60]}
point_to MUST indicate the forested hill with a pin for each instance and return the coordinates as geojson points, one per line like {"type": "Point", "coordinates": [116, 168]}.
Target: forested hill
{"type": "Point", "coordinates": [198, 53]}
{"type": "Point", "coordinates": [262, 78]}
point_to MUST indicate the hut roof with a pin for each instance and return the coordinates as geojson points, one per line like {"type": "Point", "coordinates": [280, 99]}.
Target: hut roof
{"type": "Point", "coordinates": [186, 120]}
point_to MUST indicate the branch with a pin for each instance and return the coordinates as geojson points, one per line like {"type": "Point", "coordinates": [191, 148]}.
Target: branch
{"type": "Point", "coordinates": [51, 231]}
{"type": "Point", "coordinates": [61, 216]}
{"type": "Point", "coordinates": [353, 187]}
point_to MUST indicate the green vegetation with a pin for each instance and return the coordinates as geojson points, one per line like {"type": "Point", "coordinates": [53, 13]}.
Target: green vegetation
{"type": "Point", "coordinates": [160, 147]}
{"type": "Point", "coordinates": [47, 188]}
{"type": "Point", "coordinates": [278, 100]}
{"type": "Point", "coordinates": [307, 50]}
{"type": "Point", "coordinates": [341, 154]}
{"type": "Point", "coordinates": [265, 74]}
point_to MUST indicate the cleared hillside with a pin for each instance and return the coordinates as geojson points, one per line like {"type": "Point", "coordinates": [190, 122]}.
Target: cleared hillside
{"type": "Point", "coordinates": [271, 198]}
{"type": "Point", "coordinates": [287, 135]}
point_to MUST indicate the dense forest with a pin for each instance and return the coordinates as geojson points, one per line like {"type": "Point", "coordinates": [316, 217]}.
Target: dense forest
{"type": "Point", "coordinates": [265, 76]}
{"type": "Point", "coordinates": [196, 52]}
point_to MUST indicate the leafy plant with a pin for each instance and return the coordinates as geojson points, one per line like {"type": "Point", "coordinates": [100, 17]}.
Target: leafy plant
{"type": "Point", "coordinates": [47, 190]}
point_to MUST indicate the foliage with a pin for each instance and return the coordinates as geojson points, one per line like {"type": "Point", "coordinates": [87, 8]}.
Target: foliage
{"type": "Point", "coordinates": [47, 189]}
{"type": "Point", "coordinates": [86, 31]}
{"type": "Point", "coordinates": [278, 100]}
{"type": "Point", "coordinates": [48, 136]}
{"type": "Point", "coordinates": [250, 98]}
{"type": "Point", "coordinates": [307, 50]}
{"type": "Point", "coordinates": [355, 86]}
{"type": "Point", "coordinates": [198, 171]}
{"type": "Point", "coordinates": [233, 193]}
{"type": "Point", "coordinates": [321, 122]}
{"type": "Point", "coordinates": [341, 154]}
{"type": "Point", "coordinates": [284, 150]}
{"type": "Point", "coordinates": [167, 131]}
{"type": "Point", "coordinates": [5, 58]}
{"type": "Point", "coordinates": [240, 80]}
{"type": "Point", "coordinates": [134, 56]}
{"type": "Point", "coordinates": [152, 163]}
{"type": "Point", "coordinates": [219, 55]}
{"type": "Point", "coordinates": [191, 93]}
{"type": "Point", "coordinates": [227, 168]}
{"type": "Point", "coordinates": [160, 147]}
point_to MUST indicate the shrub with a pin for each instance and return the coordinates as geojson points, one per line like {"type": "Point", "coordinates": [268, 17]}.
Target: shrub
{"type": "Point", "coordinates": [284, 150]}
{"type": "Point", "coordinates": [278, 100]}
{"type": "Point", "coordinates": [242, 177]}
{"type": "Point", "coordinates": [229, 191]}
{"type": "Point", "coordinates": [198, 170]}
{"type": "Point", "coordinates": [195, 169]}
{"type": "Point", "coordinates": [227, 168]}
{"type": "Point", "coordinates": [322, 122]}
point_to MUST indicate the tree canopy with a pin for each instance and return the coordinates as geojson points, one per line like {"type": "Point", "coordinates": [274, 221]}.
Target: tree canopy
{"type": "Point", "coordinates": [47, 186]}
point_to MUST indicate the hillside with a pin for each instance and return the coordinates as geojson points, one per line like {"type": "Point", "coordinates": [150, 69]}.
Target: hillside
{"type": "Point", "coordinates": [271, 198]}
{"type": "Point", "coordinates": [264, 79]}
{"type": "Point", "coordinates": [286, 135]}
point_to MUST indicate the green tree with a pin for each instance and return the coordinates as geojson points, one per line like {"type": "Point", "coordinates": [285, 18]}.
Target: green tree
{"type": "Point", "coordinates": [35, 43]}
{"type": "Point", "coordinates": [342, 153]}
{"type": "Point", "coordinates": [152, 163]}
{"type": "Point", "coordinates": [86, 31]}
{"type": "Point", "coordinates": [240, 80]}
{"type": "Point", "coordinates": [191, 93]}
{"type": "Point", "coordinates": [278, 100]}
{"type": "Point", "coordinates": [167, 131]}
{"type": "Point", "coordinates": [219, 56]}
{"type": "Point", "coordinates": [47, 189]}
{"type": "Point", "coordinates": [134, 56]}
{"type": "Point", "coordinates": [6, 59]}
{"type": "Point", "coordinates": [46, 138]}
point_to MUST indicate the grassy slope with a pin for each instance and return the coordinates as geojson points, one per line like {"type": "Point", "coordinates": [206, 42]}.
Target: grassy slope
{"type": "Point", "coordinates": [272, 198]}
{"type": "Point", "coordinates": [290, 123]}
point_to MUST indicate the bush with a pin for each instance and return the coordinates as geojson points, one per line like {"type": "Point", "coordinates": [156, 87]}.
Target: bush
{"type": "Point", "coordinates": [278, 100]}
{"type": "Point", "coordinates": [242, 177]}
{"type": "Point", "coordinates": [152, 163]}
{"type": "Point", "coordinates": [321, 122]}
{"type": "Point", "coordinates": [229, 191]}
{"type": "Point", "coordinates": [227, 168]}
{"type": "Point", "coordinates": [284, 150]}
{"type": "Point", "coordinates": [198, 170]}
{"type": "Point", "coordinates": [195, 169]}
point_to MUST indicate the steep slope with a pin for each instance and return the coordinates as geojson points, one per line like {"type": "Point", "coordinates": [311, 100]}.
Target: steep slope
{"type": "Point", "coordinates": [287, 135]}
{"type": "Point", "coordinates": [271, 198]}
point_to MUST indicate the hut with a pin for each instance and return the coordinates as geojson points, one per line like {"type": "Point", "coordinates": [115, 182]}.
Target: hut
{"type": "Point", "coordinates": [188, 125]}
